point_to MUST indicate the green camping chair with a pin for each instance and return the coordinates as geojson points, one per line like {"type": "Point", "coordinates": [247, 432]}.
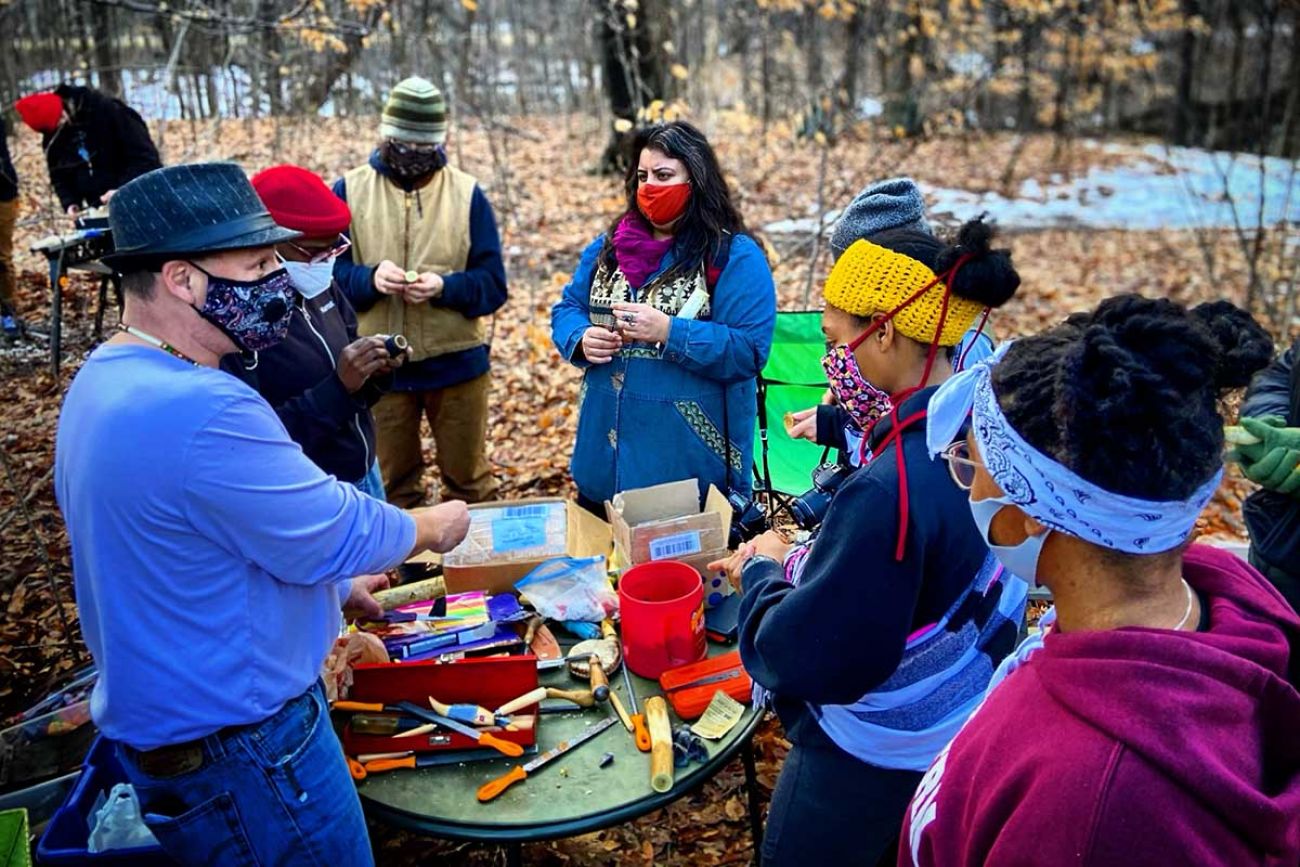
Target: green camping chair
{"type": "Point", "coordinates": [792, 380]}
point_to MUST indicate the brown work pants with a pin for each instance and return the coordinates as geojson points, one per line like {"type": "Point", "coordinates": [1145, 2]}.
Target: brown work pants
{"type": "Point", "coordinates": [458, 416]}
{"type": "Point", "coordinates": [8, 277]}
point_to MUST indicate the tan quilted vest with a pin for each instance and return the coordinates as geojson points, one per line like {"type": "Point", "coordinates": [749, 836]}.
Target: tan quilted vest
{"type": "Point", "coordinates": [431, 234]}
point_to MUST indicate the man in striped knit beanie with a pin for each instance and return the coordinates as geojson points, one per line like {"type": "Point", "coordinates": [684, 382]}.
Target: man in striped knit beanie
{"type": "Point", "coordinates": [425, 262]}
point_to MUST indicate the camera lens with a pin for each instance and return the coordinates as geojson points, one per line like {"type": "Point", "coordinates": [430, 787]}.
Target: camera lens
{"type": "Point", "coordinates": [809, 509]}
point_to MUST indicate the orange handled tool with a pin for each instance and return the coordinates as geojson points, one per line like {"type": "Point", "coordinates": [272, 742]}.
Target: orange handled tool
{"type": "Point", "coordinates": [381, 765]}
{"type": "Point", "coordinates": [638, 729]}
{"type": "Point", "coordinates": [361, 707]}
{"type": "Point", "coordinates": [518, 773]}
{"type": "Point", "coordinates": [506, 748]}
{"type": "Point", "coordinates": [409, 708]}
{"type": "Point", "coordinates": [356, 769]}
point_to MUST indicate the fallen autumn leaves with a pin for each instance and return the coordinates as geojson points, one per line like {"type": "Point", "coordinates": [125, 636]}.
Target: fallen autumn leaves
{"type": "Point", "coordinates": [558, 209]}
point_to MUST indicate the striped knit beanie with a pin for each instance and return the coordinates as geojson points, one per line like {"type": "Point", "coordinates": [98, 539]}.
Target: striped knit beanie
{"type": "Point", "coordinates": [415, 112]}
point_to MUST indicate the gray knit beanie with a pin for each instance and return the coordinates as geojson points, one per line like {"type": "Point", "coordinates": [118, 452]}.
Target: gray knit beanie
{"type": "Point", "coordinates": [415, 112]}
{"type": "Point", "coordinates": [892, 204]}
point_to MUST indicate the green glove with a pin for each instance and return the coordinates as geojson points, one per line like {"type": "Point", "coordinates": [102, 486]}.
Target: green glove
{"type": "Point", "coordinates": [1269, 453]}
{"type": "Point", "coordinates": [1246, 447]}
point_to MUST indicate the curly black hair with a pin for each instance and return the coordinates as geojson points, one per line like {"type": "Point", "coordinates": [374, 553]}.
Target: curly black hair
{"type": "Point", "coordinates": [987, 277]}
{"type": "Point", "coordinates": [710, 213]}
{"type": "Point", "coordinates": [1127, 396]}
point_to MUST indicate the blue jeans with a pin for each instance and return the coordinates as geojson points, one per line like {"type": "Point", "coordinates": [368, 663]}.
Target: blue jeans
{"type": "Point", "coordinates": [372, 482]}
{"type": "Point", "coordinates": [275, 792]}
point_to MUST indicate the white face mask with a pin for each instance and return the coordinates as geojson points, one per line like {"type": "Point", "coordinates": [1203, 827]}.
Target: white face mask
{"type": "Point", "coordinates": [310, 278]}
{"type": "Point", "coordinates": [1022, 559]}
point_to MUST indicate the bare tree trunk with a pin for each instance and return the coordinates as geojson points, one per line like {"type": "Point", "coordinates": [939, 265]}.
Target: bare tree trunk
{"type": "Point", "coordinates": [1181, 129]}
{"type": "Point", "coordinates": [1290, 146]}
{"type": "Point", "coordinates": [633, 73]}
{"type": "Point", "coordinates": [854, 46]}
{"type": "Point", "coordinates": [106, 64]}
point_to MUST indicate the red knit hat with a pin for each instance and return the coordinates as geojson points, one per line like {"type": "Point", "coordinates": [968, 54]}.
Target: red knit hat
{"type": "Point", "coordinates": [41, 111]}
{"type": "Point", "coordinates": [298, 199]}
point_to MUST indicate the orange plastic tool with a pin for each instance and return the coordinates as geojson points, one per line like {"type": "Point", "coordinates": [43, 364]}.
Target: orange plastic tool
{"type": "Point", "coordinates": [357, 769]}
{"type": "Point", "coordinates": [490, 790]}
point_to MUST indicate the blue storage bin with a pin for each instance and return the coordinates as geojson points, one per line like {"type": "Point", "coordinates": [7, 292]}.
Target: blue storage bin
{"type": "Point", "coordinates": [67, 836]}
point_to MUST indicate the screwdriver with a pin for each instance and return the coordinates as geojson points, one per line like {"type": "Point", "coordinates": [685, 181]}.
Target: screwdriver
{"type": "Point", "coordinates": [639, 729]}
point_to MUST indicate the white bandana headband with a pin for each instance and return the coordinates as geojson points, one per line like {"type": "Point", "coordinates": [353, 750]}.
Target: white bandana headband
{"type": "Point", "coordinates": [1045, 490]}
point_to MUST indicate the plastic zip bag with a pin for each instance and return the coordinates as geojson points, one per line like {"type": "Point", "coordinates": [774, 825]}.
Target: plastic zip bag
{"type": "Point", "coordinates": [118, 824]}
{"type": "Point", "coordinates": [570, 588]}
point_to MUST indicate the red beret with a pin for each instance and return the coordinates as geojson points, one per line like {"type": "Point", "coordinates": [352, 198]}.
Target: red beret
{"type": "Point", "coordinates": [298, 199]}
{"type": "Point", "coordinates": [41, 111]}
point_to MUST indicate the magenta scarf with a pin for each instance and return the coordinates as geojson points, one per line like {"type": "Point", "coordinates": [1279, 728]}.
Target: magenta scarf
{"type": "Point", "coordinates": [637, 252]}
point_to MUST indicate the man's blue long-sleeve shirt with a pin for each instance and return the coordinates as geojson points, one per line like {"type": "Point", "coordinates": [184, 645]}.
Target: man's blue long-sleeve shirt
{"type": "Point", "coordinates": [209, 553]}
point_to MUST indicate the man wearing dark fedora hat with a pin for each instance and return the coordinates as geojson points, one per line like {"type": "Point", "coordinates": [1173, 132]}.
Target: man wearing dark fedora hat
{"type": "Point", "coordinates": [210, 555]}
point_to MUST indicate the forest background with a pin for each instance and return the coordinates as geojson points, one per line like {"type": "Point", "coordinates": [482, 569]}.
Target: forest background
{"type": "Point", "coordinates": [1148, 146]}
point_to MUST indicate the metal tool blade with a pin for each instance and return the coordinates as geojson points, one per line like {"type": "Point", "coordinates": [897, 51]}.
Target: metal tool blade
{"type": "Point", "coordinates": [564, 746]}
{"type": "Point", "coordinates": [627, 682]}
{"type": "Point", "coordinates": [705, 681]}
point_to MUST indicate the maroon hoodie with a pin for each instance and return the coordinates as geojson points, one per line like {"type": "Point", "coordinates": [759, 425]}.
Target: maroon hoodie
{"type": "Point", "coordinates": [1132, 746]}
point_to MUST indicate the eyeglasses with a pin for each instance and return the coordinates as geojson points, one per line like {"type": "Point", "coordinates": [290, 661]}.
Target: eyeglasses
{"type": "Point", "coordinates": [315, 257]}
{"type": "Point", "coordinates": [960, 464]}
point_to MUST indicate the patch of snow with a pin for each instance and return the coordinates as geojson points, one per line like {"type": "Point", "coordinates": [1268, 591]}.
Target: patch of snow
{"type": "Point", "coordinates": [869, 106]}
{"type": "Point", "coordinates": [1156, 188]}
{"type": "Point", "coordinates": [969, 63]}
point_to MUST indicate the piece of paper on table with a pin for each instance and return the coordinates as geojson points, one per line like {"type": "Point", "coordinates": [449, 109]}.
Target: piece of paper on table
{"type": "Point", "coordinates": [719, 717]}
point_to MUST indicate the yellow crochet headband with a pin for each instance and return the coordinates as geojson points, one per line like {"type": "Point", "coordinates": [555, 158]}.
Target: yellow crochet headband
{"type": "Point", "coordinates": [869, 278]}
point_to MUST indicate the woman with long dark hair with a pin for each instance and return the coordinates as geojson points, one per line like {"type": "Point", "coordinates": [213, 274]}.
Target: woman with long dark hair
{"type": "Point", "coordinates": [670, 313]}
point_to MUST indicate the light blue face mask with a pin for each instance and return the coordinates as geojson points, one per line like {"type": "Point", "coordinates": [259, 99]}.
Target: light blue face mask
{"type": "Point", "coordinates": [310, 278]}
{"type": "Point", "coordinates": [1022, 559]}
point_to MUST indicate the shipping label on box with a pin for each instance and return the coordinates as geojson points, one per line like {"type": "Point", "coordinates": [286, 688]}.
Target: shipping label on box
{"type": "Point", "coordinates": [665, 522]}
{"type": "Point", "coordinates": [506, 541]}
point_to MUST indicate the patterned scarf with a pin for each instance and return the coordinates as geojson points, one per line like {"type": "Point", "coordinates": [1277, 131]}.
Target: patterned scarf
{"type": "Point", "coordinates": [636, 250]}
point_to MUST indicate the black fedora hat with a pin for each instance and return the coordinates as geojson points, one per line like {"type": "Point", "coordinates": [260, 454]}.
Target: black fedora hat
{"type": "Point", "coordinates": [186, 210]}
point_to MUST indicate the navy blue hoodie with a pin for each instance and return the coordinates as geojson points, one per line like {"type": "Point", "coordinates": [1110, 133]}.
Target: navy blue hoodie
{"type": "Point", "coordinates": [842, 631]}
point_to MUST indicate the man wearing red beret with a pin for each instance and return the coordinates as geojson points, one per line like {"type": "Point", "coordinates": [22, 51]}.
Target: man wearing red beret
{"type": "Point", "coordinates": [93, 143]}
{"type": "Point", "coordinates": [322, 379]}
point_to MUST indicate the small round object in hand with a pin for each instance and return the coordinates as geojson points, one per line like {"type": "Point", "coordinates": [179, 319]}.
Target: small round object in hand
{"type": "Point", "coordinates": [396, 345]}
{"type": "Point", "coordinates": [412, 276]}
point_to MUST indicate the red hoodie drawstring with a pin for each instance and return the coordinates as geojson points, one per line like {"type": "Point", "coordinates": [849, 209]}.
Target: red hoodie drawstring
{"type": "Point", "coordinates": [896, 433]}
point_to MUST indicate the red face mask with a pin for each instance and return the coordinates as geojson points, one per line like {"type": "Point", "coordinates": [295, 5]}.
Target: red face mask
{"type": "Point", "coordinates": [663, 203]}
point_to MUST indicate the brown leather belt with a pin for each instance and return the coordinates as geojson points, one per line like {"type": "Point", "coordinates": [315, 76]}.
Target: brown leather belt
{"type": "Point", "coordinates": [176, 759]}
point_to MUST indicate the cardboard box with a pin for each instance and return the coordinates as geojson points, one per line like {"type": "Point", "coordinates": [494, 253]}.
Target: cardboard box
{"type": "Point", "coordinates": [585, 536]}
{"type": "Point", "coordinates": [665, 522]}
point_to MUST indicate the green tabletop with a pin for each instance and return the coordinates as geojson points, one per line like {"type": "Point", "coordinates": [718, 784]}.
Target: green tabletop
{"type": "Point", "coordinates": [570, 795]}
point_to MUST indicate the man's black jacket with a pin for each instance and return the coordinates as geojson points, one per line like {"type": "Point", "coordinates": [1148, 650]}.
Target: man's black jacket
{"type": "Point", "coordinates": [297, 377]}
{"type": "Point", "coordinates": [104, 145]}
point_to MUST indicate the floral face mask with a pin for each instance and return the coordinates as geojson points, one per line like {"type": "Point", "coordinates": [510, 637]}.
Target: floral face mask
{"type": "Point", "coordinates": [860, 399]}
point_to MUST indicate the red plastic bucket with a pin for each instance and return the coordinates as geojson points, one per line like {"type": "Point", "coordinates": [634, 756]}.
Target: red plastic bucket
{"type": "Point", "coordinates": [662, 608]}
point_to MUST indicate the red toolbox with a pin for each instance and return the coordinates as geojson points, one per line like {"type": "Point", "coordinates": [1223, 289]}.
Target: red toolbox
{"type": "Point", "coordinates": [489, 682]}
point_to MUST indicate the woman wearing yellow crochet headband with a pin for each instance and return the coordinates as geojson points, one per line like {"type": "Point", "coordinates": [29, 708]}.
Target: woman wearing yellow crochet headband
{"type": "Point", "coordinates": [877, 639]}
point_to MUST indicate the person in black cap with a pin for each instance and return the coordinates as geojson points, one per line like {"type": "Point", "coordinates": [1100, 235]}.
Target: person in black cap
{"type": "Point", "coordinates": [210, 555]}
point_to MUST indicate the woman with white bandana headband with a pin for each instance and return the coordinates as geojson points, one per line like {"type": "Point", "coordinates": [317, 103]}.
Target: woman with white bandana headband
{"type": "Point", "coordinates": [1154, 720]}
{"type": "Point", "coordinates": [878, 639]}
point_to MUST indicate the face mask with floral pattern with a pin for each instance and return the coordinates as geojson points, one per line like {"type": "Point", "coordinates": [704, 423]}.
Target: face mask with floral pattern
{"type": "Point", "coordinates": [860, 399]}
